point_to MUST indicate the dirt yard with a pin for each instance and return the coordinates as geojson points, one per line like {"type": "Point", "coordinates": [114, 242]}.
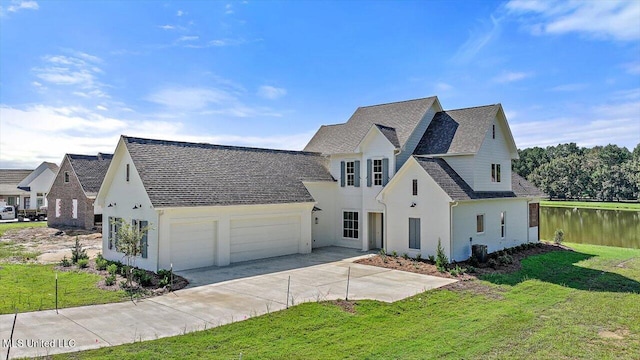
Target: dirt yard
{"type": "Point", "coordinates": [53, 244]}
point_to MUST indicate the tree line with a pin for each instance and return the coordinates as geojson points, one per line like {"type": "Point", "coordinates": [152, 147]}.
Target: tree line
{"type": "Point", "coordinates": [566, 171]}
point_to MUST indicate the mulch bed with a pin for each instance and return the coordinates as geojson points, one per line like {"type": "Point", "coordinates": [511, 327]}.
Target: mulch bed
{"type": "Point", "coordinates": [154, 289]}
{"type": "Point", "coordinates": [428, 268]}
{"type": "Point", "coordinates": [346, 305]}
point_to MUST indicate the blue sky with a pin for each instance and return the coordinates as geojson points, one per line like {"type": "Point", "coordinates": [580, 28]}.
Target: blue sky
{"type": "Point", "coordinates": [75, 75]}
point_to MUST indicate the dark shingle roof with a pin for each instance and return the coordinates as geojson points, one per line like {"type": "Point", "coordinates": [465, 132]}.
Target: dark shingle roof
{"type": "Point", "coordinates": [457, 131]}
{"type": "Point", "coordinates": [9, 180]}
{"type": "Point", "coordinates": [458, 189]}
{"type": "Point", "coordinates": [177, 174]}
{"type": "Point", "coordinates": [402, 116]}
{"type": "Point", "coordinates": [90, 170]}
{"type": "Point", "coordinates": [53, 167]}
{"type": "Point", "coordinates": [390, 134]}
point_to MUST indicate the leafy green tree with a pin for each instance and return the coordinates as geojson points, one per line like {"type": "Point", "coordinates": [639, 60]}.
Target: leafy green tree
{"type": "Point", "coordinates": [530, 159]}
{"type": "Point", "coordinates": [129, 243]}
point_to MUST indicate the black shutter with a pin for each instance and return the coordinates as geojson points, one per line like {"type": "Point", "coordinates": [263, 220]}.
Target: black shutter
{"type": "Point", "coordinates": [369, 173]}
{"type": "Point", "coordinates": [356, 170]}
{"type": "Point", "coordinates": [385, 171]}
{"type": "Point", "coordinates": [342, 173]}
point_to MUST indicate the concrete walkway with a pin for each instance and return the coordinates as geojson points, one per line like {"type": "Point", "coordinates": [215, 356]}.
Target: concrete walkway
{"type": "Point", "coordinates": [217, 296]}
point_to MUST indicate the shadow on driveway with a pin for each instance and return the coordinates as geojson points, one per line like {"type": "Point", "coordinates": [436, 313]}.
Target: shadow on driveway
{"type": "Point", "coordinates": [217, 274]}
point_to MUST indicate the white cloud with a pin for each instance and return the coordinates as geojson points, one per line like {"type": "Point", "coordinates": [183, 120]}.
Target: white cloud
{"type": "Point", "coordinates": [612, 19]}
{"type": "Point", "coordinates": [167, 27]}
{"type": "Point", "coordinates": [569, 87]}
{"type": "Point", "coordinates": [271, 92]}
{"type": "Point", "coordinates": [180, 13]}
{"type": "Point", "coordinates": [18, 5]}
{"type": "Point", "coordinates": [101, 107]}
{"type": "Point", "coordinates": [617, 122]}
{"type": "Point", "coordinates": [228, 9]}
{"type": "Point", "coordinates": [75, 129]}
{"type": "Point", "coordinates": [511, 76]}
{"type": "Point", "coordinates": [187, 38]}
{"type": "Point", "coordinates": [190, 99]}
{"type": "Point", "coordinates": [478, 39]}
{"type": "Point", "coordinates": [79, 70]}
{"type": "Point", "coordinates": [633, 68]}
{"type": "Point", "coordinates": [442, 87]}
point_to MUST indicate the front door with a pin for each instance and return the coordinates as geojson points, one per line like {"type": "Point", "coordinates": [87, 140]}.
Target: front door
{"type": "Point", "coordinates": [375, 231]}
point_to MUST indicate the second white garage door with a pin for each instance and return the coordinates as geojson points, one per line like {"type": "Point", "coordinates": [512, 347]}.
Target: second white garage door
{"type": "Point", "coordinates": [193, 244]}
{"type": "Point", "coordinates": [264, 237]}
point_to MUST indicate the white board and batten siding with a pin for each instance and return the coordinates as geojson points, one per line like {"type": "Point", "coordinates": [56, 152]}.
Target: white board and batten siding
{"type": "Point", "coordinates": [414, 139]}
{"type": "Point", "coordinates": [464, 225]}
{"type": "Point", "coordinates": [431, 207]}
{"type": "Point", "coordinates": [492, 151]}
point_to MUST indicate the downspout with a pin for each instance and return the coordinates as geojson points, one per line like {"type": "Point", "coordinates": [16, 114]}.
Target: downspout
{"type": "Point", "coordinates": [529, 217]}
{"type": "Point", "coordinates": [451, 206]}
{"type": "Point", "coordinates": [385, 241]}
{"type": "Point", "coordinates": [160, 213]}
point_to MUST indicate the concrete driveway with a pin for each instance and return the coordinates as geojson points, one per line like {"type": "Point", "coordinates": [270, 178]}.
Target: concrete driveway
{"type": "Point", "coordinates": [216, 296]}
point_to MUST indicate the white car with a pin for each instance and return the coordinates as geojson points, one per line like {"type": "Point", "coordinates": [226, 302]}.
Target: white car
{"type": "Point", "coordinates": [7, 213]}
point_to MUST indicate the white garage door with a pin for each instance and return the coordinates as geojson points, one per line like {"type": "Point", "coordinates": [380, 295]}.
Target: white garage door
{"type": "Point", "coordinates": [193, 244]}
{"type": "Point", "coordinates": [264, 237]}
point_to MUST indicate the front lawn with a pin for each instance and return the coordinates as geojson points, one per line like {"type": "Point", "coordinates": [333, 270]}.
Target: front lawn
{"type": "Point", "coordinates": [582, 304]}
{"type": "Point", "coordinates": [31, 287]}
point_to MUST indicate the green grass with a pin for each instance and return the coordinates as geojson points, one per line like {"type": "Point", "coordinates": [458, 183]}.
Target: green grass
{"type": "Point", "coordinates": [592, 205]}
{"type": "Point", "coordinates": [20, 225]}
{"type": "Point", "coordinates": [31, 287]}
{"type": "Point", "coordinates": [554, 308]}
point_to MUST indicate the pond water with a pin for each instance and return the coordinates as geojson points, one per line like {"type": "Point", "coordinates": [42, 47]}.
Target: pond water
{"type": "Point", "coordinates": [588, 226]}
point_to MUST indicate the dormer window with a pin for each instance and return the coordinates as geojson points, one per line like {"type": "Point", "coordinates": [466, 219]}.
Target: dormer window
{"type": "Point", "coordinates": [495, 172]}
{"type": "Point", "coordinates": [377, 172]}
{"type": "Point", "coordinates": [66, 176]}
{"type": "Point", "coordinates": [351, 173]}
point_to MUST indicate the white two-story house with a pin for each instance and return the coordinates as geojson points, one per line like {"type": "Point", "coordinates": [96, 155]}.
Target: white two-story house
{"type": "Point", "coordinates": [399, 176]}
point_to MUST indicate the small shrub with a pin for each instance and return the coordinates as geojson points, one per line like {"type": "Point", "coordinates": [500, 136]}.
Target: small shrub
{"type": "Point", "coordinates": [110, 280]}
{"type": "Point", "coordinates": [471, 269]}
{"type": "Point", "coordinates": [101, 263]}
{"type": "Point", "coordinates": [405, 256]}
{"type": "Point", "coordinates": [505, 259]}
{"type": "Point", "coordinates": [441, 258]}
{"type": "Point", "coordinates": [381, 252]}
{"type": "Point", "coordinates": [123, 284]}
{"type": "Point", "coordinates": [558, 236]}
{"type": "Point", "coordinates": [112, 269]}
{"type": "Point", "coordinates": [83, 263]}
{"type": "Point", "coordinates": [77, 252]}
{"type": "Point", "coordinates": [431, 258]}
{"type": "Point", "coordinates": [492, 263]}
{"type": "Point", "coordinates": [394, 253]}
{"type": "Point", "coordinates": [165, 277]}
{"type": "Point", "coordinates": [65, 262]}
{"type": "Point", "coordinates": [163, 282]}
{"type": "Point", "coordinates": [419, 257]}
{"type": "Point", "coordinates": [510, 251]}
{"type": "Point", "coordinates": [142, 277]}
{"type": "Point", "coordinates": [456, 271]}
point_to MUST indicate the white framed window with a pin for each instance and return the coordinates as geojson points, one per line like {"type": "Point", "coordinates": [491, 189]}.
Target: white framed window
{"type": "Point", "coordinates": [351, 172]}
{"type": "Point", "coordinates": [503, 224]}
{"type": "Point", "coordinates": [377, 172]}
{"type": "Point", "coordinates": [114, 225]}
{"type": "Point", "coordinates": [350, 224]}
{"type": "Point", "coordinates": [480, 223]}
{"type": "Point", "coordinates": [141, 225]}
{"type": "Point", "coordinates": [495, 173]}
{"type": "Point", "coordinates": [74, 211]}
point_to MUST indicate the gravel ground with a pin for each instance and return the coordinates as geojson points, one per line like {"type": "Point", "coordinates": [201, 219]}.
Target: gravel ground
{"type": "Point", "coordinates": [54, 243]}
